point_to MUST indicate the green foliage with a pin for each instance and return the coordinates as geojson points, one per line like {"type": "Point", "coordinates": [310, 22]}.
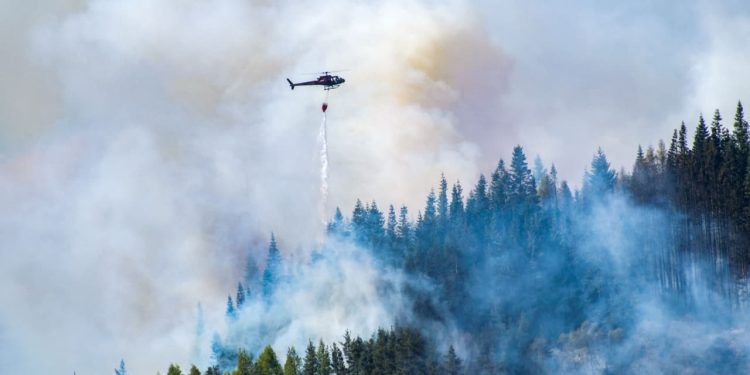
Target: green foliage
{"type": "Point", "coordinates": [310, 366]}
{"type": "Point", "coordinates": [267, 363]}
{"type": "Point", "coordinates": [174, 369]}
{"type": "Point", "coordinates": [338, 365]}
{"type": "Point", "coordinates": [511, 227]}
{"type": "Point", "coordinates": [324, 359]}
{"type": "Point", "coordinates": [293, 364]}
{"type": "Point", "coordinates": [244, 363]}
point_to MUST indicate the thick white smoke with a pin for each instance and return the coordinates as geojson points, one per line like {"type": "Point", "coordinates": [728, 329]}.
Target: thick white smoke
{"type": "Point", "coordinates": [175, 147]}
{"type": "Point", "coordinates": [343, 288]}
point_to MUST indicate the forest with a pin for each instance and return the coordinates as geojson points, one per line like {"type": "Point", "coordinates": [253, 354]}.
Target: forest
{"type": "Point", "coordinates": [638, 271]}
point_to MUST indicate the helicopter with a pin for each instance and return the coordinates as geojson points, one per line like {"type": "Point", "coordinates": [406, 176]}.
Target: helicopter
{"type": "Point", "coordinates": [326, 79]}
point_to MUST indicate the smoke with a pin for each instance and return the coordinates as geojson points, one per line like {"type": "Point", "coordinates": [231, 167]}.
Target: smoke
{"type": "Point", "coordinates": [599, 303]}
{"type": "Point", "coordinates": [342, 288]}
{"type": "Point", "coordinates": [170, 147]}
{"type": "Point", "coordinates": [149, 147]}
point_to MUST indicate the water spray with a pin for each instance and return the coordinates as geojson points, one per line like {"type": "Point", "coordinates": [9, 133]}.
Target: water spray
{"type": "Point", "coordinates": [323, 141]}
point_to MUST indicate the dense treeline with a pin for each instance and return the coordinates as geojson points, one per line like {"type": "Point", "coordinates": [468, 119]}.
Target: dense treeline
{"type": "Point", "coordinates": [709, 183]}
{"type": "Point", "coordinates": [522, 262]}
{"type": "Point", "coordinates": [399, 351]}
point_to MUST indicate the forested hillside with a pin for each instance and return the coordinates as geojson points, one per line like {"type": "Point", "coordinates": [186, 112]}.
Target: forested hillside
{"type": "Point", "coordinates": [640, 271]}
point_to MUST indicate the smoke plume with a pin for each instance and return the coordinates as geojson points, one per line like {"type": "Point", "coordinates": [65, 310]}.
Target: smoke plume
{"type": "Point", "coordinates": [171, 148]}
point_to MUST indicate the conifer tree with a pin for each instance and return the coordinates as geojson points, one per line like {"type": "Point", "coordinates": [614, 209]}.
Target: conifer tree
{"type": "Point", "coordinates": [293, 364]}
{"type": "Point", "coordinates": [244, 363]}
{"type": "Point", "coordinates": [324, 359]}
{"type": "Point", "coordinates": [310, 366]}
{"type": "Point", "coordinates": [442, 202]}
{"type": "Point", "coordinates": [359, 220]}
{"type": "Point", "coordinates": [240, 295]}
{"type": "Point", "coordinates": [452, 364]}
{"type": "Point", "coordinates": [741, 137]}
{"type": "Point", "coordinates": [271, 272]}
{"type": "Point", "coordinates": [522, 184]}
{"type": "Point", "coordinates": [194, 370]}
{"type": "Point", "coordinates": [231, 312]}
{"type": "Point", "coordinates": [121, 370]}
{"type": "Point", "coordinates": [740, 166]}
{"type": "Point", "coordinates": [499, 185]}
{"type": "Point", "coordinates": [700, 163]}
{"type": "Point", "coordinates": [430, 211]}
{"type": "Point", "coordinates": [267, 363]}
{"type": "Point", "coordinates": [174, 369]}
{"type": "Point", "coordinates": [374, 225]}
{"type": "Point", "coordinates": [600, 180]}
{"type": "Point", "coordinates": [337, 225]}
{"type": "Point", "coordinates": [337, 361]}
{"type": "Point", "coordinates": [391, 224]}
{"type": "Point", "coordinates": [539, 169]}
{"type": "Point", "coordinates": [457, 203]}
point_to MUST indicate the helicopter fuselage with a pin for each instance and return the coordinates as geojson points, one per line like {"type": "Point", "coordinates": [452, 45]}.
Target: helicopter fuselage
{"type": "Point", "coordinates": [327, 81]}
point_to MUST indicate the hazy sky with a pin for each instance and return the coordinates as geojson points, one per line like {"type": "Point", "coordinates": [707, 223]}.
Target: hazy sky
{"type": "Point", "coordinates": [147, 146]}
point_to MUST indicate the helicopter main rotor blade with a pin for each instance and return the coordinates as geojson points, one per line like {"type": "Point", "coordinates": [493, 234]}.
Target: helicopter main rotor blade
{"type": "Point", "coordinates": [328, 71]}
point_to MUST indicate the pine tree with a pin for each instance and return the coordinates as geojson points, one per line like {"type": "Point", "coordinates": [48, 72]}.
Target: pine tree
{"type": "Point", "coordinates": [547, 190]}
{"type": "Point", "coordinates": [337, 225]}
{"type": "Point", "coordinates": [522, 187]}
{"type": "Point", "coordinates": [359, 220]}
{"type": "Point", "coordinates": [600, 181]}
{"type": "Point", "coordinates": [741, 137]}
{"type": "Point", "coordinates": [639, 179]}
{"type": "Point", "coordinates": [267, 363]}
{"type": "Point", "coordinates": [194, 370]}
{"type": "Point", "coordinates": [430, 212]}
{"type": "Point", "coordinates": [700, 163]}
{"type": "Point", "coordinates": [174, 369]}
{"type": "Point", "coordinates": [403, 233]}
{"type": "Point", "coordinates": [452, 364]}
{"type": "Point", "coordinates": [539, 170]}
{"type": "Point", "coordinates": [457, 203]}
{"type": "Point", "coordinates": [293, 364]}
{"type": "Point", "coordinates": [740, 166]}
{"type": "Point", "coordinates": [442, 202]}
{"type": "Point", "coordinates": [244, 363]}
{"type": "Point", "coordinates": [231, 312]}
{"type": "Point", "coordinates": [273, 265]}
{"type": "Point", "coordinates": [337, 361]}
{"type": "Point", "coordinates": [121, 370]}
{"type": "Point", "coordinates": [240, 295]}
{"type": "Point", "coordinates": [499, 185]}
{"type": "Point", "coordinates": [310, 366]}
{"type": "Point", "coordinates": [374, 226]}
{"type": "Point", "coordinates": [391, 224]}
{"type": "Point", "coordinates": [324, 359]}
{"type": "Point", "coordinates": [478, 213]}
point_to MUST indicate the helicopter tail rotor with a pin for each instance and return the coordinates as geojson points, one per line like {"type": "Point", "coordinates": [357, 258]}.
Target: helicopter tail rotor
{"type": "Point", "coordinates": [290, 83]}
